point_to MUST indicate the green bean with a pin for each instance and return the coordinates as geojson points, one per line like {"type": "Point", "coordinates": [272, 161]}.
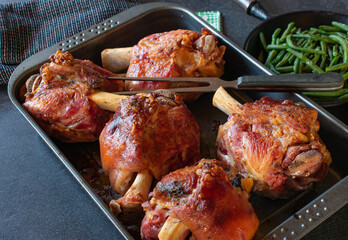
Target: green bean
{"type": "Point", "coordinates": [275, 35]}
{"type": "Point", "coordinates": [344, 44]}
{"type": "Point", "coordinates": [314, 30]}
{"type": "Point", "coordinates": [335, 51]}
{"type": "Point", "coordinates": [284, 60]}
{"type": "Point", "coordinates": [306, 61]}
{"type": "Point", "coordinates": [291, 59]}
{"type": "Point", "coordinates": [286, 69]}
{"type": "Point", "coordinates": [290, 44]}
{"type": "Point", "coordinates": [328, 94]}
{"type": "Point", "coordinates": [329, 51]}
{"type": "Point", "coordinates": [271, 66]}
{"type": "Point", "coordinates": [332, 63]}
{"type": "Point", "coordinates": [342, 97]}
{"type": "Point", "coordinates": [278, 57]}
{"type": "Point", "coordinates": [277, 47]}
{"type": "Point", "coordinates": [296, 65]}
{"type": "Point", "coordinates": [340, 34]}
{"type": "Point", "coordinates": [341, 50]}
{"type": "Point", "coordinates": [319, 31]}
{"type": "Point", "coordinates": [314, 37]}
{"type": "Point", "coordinates": [287, 31]}
{"type": "Point", "coordinates": [339, 25]}
{"type": "Point", "coordinates": [345, 76]}
{"type": "Point", "coordinates": [301, 66]}
{"type": "Point", "coordinates": [293, 30]}
{"type": "Point", "coordinates": [336, 67]}
{"type": "Point", "coordinates": [329, 28]}
{"type": "Point", "coordinates": [304, 43]}
{"type": "Point", "coordinates": [323, 62]}
{"type": "Point", "coordinates": [316, 58]}
{"type": "Point", "coordinates": [270, 57]}
{"type": "Point", "coordinates": [300, 41]}
{"type": "Point", "coordinates": [308, 44]}
{"type": "Point", "coordinates": [323, 57]}
{"type": "Point", "coordinates": [263, 40]}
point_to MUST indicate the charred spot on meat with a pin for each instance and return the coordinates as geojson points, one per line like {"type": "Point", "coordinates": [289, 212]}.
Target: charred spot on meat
{"type": "Point", "coordinates": [199, 199]}
{"type": "Point", "coordinates": [174, 189]}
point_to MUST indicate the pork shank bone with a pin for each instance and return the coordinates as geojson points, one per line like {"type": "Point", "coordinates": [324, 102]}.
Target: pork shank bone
{"type": "Point", "coordinates": [199, 199]}
{"type": "Point", "coordinates": [151, 134]}
{"type": "Point", "coordinates": [274, 142]}
{"type": "Point", "coordinates": [116, 59]}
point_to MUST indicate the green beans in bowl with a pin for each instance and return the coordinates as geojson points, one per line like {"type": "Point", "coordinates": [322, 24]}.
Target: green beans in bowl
{"type": "Point", "coordinates": [300, 42]}
{"type": "Point", "coordinates": [322, 49]}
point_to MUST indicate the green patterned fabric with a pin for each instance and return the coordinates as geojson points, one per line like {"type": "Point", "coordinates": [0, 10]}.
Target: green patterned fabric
{"type": "Point", "coordinates": [212, 17]}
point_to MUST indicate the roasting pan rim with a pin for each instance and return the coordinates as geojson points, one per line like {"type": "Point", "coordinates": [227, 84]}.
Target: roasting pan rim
{"type": "Point", "coordinates": [137, 12]}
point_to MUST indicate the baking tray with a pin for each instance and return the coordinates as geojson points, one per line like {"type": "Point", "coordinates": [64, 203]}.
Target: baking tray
{"type": "Point", "coordinates": [285, 219]}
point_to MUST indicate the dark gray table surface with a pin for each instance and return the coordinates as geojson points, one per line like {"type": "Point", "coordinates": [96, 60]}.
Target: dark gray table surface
{"type": "Point", "coordinates": [39, 199]}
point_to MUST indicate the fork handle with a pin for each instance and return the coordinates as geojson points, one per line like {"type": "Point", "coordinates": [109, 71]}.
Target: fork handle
{"type": "Point", "coordinates": [299, 82]}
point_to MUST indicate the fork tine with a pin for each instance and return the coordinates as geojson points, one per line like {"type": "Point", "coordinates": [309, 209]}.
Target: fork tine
{"type": "Point", "coordinates": [213, 83]}
{"type": "Point", "coordinates": [170, 79]}
{"type": "Point", "coordinates": [210, 88]}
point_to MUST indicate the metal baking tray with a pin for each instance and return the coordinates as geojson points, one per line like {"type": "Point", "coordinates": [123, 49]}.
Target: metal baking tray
{"type": "Point", "coordinates": [285, 219]}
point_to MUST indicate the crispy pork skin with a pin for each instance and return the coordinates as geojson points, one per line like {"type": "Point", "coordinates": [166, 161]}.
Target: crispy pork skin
{"type": "Point", "coordinates": [203, 198]}
{"type": "Point", "coordinates": [59, 100]}
{"type": "Point", "coordinates": [155, 131]}
{"type": "Point", "coordinates": [276, 143]}
{"type": "Point", "coordinates": [178, 53]}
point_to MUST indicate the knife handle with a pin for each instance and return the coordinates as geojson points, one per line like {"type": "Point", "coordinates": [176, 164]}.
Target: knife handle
{"type": "Point", "coordinates": [253, 8]}
{"type": "Point", "coordinates": [316, 82]}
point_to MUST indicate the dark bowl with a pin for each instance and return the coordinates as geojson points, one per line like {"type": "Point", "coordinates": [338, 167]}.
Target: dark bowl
{"type": "Point", "coordinates": [304, 20]}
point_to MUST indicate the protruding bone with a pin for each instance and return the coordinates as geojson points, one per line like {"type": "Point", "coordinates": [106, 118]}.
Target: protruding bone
{"type": "Point", "coordinates": [128, 208]}
{"type": "Point", "coordinates": [107, 101]}
{"type": "Point", "coordinates": [33, 83]}
{"type": "Point", "coordinates": [30, 85]}
{"type": "Point", "coordinates": [223, 101]}
{"type": "Point", "coordinates": [121, 180]}
{"type": "Point", "coordinates": [104, 100]}
{"type": "Point", "coordinates": [173, 229]}
{"type": "Point", "coordinates": [306, 164]}
{"type": "Point", "coordinates": [116, 59]}
{"type": "Point", "coordinates": [209, 44]}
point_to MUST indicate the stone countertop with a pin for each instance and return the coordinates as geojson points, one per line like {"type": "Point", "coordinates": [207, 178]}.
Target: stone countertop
{"type": "Point", "coordinates": [40, 199]}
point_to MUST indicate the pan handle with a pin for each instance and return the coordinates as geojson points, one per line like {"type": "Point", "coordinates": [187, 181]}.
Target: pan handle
{"type": "Point", "coordinates": [253, 8]}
